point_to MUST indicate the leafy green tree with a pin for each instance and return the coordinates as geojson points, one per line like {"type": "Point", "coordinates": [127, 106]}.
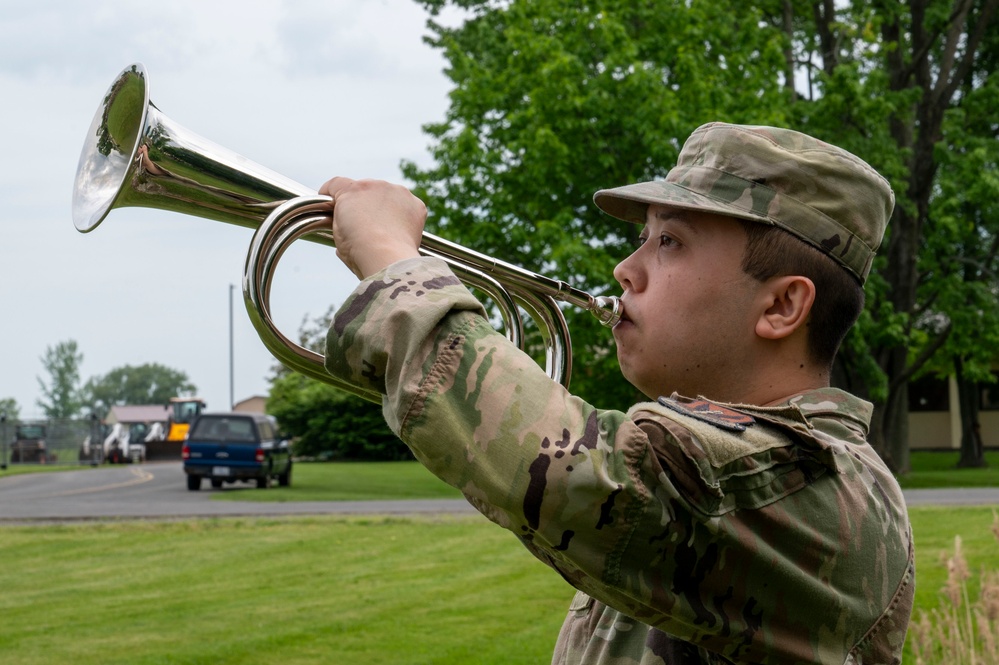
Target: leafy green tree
{"type": "Point", "coordinates": [962, 298]}
{"type": "Point", "coordinates": [150, 383]}
{"type": "Point", "coordinates": [8, 406]}
{"type": "Point", "coordinates": [893, 79]}
{"type": "Point", "coordinates": [61, 395]}
{"type": "Point", "coordinates": [553, 100]}
{"type": "Point", "coordinates": [969, 176]}
{"type": "Point", "coordinates": [326, 422]}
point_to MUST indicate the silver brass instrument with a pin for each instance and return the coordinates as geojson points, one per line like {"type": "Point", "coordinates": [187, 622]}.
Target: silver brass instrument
{"type": "Point", "coordinates": [136, 156]}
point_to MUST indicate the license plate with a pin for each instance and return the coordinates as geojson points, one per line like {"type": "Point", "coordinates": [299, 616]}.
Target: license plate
{"type": "Point", "coordinates": [220, 471]}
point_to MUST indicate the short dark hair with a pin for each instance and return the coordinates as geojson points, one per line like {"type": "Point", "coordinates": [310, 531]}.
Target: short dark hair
{"type": "Point", "coordinates": [839, 298]}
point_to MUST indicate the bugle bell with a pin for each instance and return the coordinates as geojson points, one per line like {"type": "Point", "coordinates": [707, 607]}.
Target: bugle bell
{"type": "Point", "coordinates": [135, 156]}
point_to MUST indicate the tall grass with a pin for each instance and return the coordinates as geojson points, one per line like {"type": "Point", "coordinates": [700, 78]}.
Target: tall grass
{"type": "Point", "coordinates": [961, 631]}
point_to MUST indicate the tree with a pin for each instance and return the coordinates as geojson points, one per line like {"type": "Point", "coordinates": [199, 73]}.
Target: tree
{"type": "Point", "coordinates": [9, 407]}
{"type": "Point", "coordinates": [963, 295]}
{"type": "Point", "coordinates": [553, 100]}
{"type": "Point", "coordinates": [324, 421]}
{"type": "Point", "coordinates": [150, 383]}
{"type": "Point", "coordinates": [891, 75]}
{"type": "Point", "coordinates": [328, 423]}
{"type": "Point", "coordinates": [61, 396]}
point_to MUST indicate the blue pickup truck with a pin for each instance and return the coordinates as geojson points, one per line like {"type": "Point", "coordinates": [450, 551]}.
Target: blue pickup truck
{"type": "Point", "coordinates": [230, 447]}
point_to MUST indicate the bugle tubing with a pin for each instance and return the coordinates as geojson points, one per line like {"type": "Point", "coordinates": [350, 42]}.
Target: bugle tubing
{"type": "Point", "coordinates": [135, 156]}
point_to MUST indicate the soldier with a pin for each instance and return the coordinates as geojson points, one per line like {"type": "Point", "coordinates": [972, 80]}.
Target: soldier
{"type": "Point", "coordinates": [738, 517]}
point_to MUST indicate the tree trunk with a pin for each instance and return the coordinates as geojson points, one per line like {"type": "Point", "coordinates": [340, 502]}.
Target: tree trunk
{"type": "Point", "coordinates": [898, 445]}
{"type": "Point", "coordinates": [968, 395]}
{"type": "Point", "coordinates": [788, 22]}
{"type": "Point", "coordinates": [825, 16]}
{"type": "Point", "coordinates": [890, 425]}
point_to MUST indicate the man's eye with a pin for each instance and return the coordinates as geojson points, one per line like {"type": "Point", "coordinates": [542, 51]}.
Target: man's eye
{"type": "Point", "coordinates": [664, 241]}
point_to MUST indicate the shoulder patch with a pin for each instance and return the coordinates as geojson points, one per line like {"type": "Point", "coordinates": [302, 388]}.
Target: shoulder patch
{"type": "Point", "coordinates": [709, 412]}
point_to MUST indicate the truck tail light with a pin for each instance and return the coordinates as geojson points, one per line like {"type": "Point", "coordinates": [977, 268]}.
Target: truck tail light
{"type": "Point", "coordinates": [185, 452]}
{"type": "Point", "coordinates": [260, 455]}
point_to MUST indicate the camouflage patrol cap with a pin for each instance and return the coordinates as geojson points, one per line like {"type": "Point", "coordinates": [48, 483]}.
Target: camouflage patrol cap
{"type": "Point", "coordinates": [822, 194]}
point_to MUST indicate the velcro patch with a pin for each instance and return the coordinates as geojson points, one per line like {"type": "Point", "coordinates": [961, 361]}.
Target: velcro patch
{"type": "Point", "coordinates": [709, 412]}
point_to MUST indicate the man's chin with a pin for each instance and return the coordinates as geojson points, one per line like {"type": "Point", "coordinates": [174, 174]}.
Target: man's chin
{"type": "Point", "coordinates": [636, 383]}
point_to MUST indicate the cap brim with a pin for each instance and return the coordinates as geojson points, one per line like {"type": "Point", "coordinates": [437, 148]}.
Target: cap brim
{"type": "Point", "coordinates": [631, 202]}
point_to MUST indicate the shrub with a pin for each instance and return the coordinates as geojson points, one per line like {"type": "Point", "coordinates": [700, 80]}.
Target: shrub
{"type": "Point", "coordinates": [327, 423]}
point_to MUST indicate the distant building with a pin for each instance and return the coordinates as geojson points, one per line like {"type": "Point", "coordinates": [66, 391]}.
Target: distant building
{"type": "Point", "coordinates": [137, 413]}
{"type": "Point", "coordinates": [935, 414]}
{"type": "Point", "coordinates": [255, 404]}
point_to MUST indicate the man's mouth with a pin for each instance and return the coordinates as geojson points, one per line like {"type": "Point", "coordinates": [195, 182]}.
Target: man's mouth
{"type": "Point", "coordinates": [624, 310]}
{"type": "Point", "coordinates": [624, 318]}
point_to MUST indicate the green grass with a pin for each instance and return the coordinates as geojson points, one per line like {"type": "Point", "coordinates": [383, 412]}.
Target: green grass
{"type": "Point", "coordinates": [939, 469]}
{"type": "Point", "coordinates": [316, 590]}
{"type": "Point", "coordinates": [301, 590]}
{"type": "Point", "coordinates": [365, 481]}
{"type": "Point", "coordinates": [21, 469]}
{"type": "Point", "coordinates": [934, 530]}
{"type": "Point", "coordinates": [360, 481]}
{"type": "Point", "coordinates": [348, 481]}
{"type": "Point", "coordinates": [340, 590]}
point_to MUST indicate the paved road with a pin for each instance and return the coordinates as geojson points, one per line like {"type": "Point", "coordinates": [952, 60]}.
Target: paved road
{"type": "Point", "coordinates": [972, 496]}
{"type": "Point", "coordinates": [158, 491]}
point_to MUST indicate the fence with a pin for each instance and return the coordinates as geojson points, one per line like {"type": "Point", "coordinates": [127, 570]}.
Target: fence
{"type": "Point", "coordinates": [53, 441]}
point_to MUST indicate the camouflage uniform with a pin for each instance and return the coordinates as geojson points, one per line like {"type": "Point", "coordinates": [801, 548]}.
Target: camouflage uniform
{"type": "Point", "coordinates": [694, 532]}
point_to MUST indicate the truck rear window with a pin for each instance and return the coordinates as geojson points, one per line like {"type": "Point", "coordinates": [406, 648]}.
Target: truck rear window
{"type": "Point", "coordinates": [236, 430]}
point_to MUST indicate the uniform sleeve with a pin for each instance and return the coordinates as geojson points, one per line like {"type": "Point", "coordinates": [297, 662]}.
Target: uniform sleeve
{"type": "Point", "coordinates": [567, 479]}
{"type": "Point", "coordinates": [632, 509]}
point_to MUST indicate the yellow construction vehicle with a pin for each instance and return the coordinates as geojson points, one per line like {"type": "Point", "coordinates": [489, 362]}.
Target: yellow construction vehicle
{"type": "Point", "coordinates": [183, 411]}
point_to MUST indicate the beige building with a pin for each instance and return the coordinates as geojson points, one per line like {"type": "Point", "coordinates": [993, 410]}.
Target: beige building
{"type": "Point", "coordinates": [255, 404]}
{"type": "Point", "coordinates": [935, 415]}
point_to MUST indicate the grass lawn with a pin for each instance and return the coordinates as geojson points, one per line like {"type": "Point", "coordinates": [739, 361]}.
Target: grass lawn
{"type": "Point", "coordinates": [21, 469]}
{"type": "Point", "coordinates": [338, 590]}
{"type": "Point", "coordinates": [359, 481]}
{"type": "Point", "coordinates": [300, 590]}
{"type": "Point", "coordinates": [349, 481]}
{"type": "Point", "coordinates": [365, 481]}
{"type": "Point", "coordinates": [316, 590]}
{"type": "Point", "coordinates": [939, 469]}
{"type": "Point", "coordinates": [934, 530]}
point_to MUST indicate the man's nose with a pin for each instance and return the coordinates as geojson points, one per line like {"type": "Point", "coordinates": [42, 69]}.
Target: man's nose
{"type": "Point", "coordinates": [627, 274]}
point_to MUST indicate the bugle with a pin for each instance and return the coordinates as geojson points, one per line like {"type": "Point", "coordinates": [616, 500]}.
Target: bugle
{"type": "Point", "coordinates": [136, 156]}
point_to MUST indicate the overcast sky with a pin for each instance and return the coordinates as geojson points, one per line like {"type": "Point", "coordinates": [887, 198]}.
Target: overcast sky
{"type": "Point", "coordinates": [309, 89]}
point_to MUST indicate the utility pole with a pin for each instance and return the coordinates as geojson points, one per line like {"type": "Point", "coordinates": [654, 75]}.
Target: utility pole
{"type": "Point", "coordinates": [232, 390]}
{"type": "Point", "coordinates": [3, 433]}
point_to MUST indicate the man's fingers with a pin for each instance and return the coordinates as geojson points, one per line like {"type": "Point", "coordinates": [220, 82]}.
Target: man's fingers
{"type": "Point", "coordinates": [333, 186]}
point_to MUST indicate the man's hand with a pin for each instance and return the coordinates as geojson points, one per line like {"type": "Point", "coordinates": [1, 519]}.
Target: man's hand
{"type": "Point", "coordinates": [375, 223]}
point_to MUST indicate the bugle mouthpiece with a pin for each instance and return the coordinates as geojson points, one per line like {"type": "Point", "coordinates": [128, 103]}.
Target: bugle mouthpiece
{"type": "Point", "coordinates": [608, 309]}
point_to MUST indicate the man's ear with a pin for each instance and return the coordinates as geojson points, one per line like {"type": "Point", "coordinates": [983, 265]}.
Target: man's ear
{"type": "Point", "coordinates": [788, 303]}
